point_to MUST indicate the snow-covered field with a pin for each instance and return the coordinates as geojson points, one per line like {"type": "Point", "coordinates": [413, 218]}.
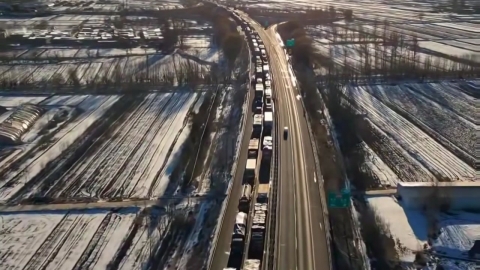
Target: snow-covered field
{"type": "Point", "coordinates": [444, 120]}
{"type": "Point", "coordinates": [101, 64]}
{"type": "Point", "coordinates": [14, 101]}
{"type": "Point", "coordinates": [136, 159]}
{"type": "Point", "coordinates": [149, 235]}
{"type": "Point", "coordinates": [88, 109]}
{"type": "Point", "coordinates": [81, 239]}
{"type": "Point", "coordinates": [63, 240]}
{"type": "Point", "coordinates": [428, 126]}
{"type": "Point", "coordinates": [458, 230]}
{"type": "Point", "coordinates": [386, 177]}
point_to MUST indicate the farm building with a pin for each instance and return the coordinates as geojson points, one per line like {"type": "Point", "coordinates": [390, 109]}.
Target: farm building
{"type": "Point", "coordinates": [458, 195]}
{"type": "Point", "coordinates": [12, 128]}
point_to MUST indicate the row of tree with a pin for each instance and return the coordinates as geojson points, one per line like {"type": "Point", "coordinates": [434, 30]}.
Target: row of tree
{"type": "Point", "coordinates": [392, 56]}
{"type": "Point", "coordinates": [226, 34]}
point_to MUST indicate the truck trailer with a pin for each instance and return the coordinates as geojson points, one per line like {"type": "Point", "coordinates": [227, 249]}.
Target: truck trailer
{"type": "Point", "coordinates": [253, 147]}
{"type": "Point", "coordinates": [244, 203]}
{"type": "Point", "coordinates": [249, 174]}
{"type": "Point", "coordinates": [266, 68]}
{"type": "Point", "coordinates": [268, 122]}
{"type": "Point", "coordinates": [259, 89]}
{"type": "Point", "coordinates": [251, 264]}
{"type": "Point", "coordinates": [257, 125]}
{"type": "Point", "coordinates": [258, 231]}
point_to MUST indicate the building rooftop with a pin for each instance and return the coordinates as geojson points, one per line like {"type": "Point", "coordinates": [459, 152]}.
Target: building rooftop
{"type": "Point", "coordinates": [439, 184]}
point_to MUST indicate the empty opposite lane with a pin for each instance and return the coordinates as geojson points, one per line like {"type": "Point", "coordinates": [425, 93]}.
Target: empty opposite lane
{"type": "Point", "coordinates": [309, 250]}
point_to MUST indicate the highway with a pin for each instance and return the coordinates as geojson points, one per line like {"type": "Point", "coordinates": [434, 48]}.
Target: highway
{"type": "Point", "coordinates": [301, 241]}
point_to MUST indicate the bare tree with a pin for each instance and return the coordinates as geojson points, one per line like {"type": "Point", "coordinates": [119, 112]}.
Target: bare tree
{"type": "Point", "coordinates": [42, 25]}
{"type": "Point", "coordinates": [57, 81]}
{"type": "Point", "coordinates": [73, 77]}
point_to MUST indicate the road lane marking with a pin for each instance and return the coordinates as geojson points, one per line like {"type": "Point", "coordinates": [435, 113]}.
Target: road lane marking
{"type": "Point", "coordinates": [300, 177]}
{"type": "Point", "coordinates": [300, 154]}
{"type": "Point", "coordinates": [285, 116]}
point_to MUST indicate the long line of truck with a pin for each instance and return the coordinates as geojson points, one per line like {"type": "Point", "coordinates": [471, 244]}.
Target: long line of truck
{"type": "Point", "coordinates": [250, 226]}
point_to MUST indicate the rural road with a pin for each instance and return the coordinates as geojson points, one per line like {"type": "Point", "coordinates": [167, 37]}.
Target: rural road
{"type": "Point", "coordinates": [78, 206]}
{"type": "Point", "coordinates": [301, 241]}
{"type": "Point", "coordinates": [99, 204]}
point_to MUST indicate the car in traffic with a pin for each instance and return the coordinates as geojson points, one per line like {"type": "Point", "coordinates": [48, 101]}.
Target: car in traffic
{"type": "Point", "coordinates": [285, 133]}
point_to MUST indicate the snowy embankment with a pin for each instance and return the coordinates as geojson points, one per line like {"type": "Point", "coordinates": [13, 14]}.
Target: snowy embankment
{"type": "Point", "coordinates": [458, 230]}
{"type": "Point", "coordinates": [426, 150]}
{"type": "Point", "coordinates": [229, 179]}
{"type": "Point", "coordinates": [93, 107]}
{"type": "Point", "coordinates": [134, 162]}
{"type": "Point", "coordinates": [193, 239]}
{"type": "Point", "coordinates": [62, 240]}
{"type": "Point", "coordinates": [224, 114]}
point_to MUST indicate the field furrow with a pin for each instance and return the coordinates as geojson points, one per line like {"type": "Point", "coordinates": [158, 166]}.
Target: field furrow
{"type": "Point", "coordinates": [456, 129]}
{"type": "Point", "coordinates": [142, 247]}
{"type": "Point", "coordinates": [158, 170]}
{"type": "Point", "coordinates": [89, 166]}
{"type": "Point", "coordinates": [430, 153]}
{"type": "Point", "coordinates": [94, 106]}
{"type": "Point", "coordinates": [405, 166]}
{"type": "Point", "coordinates": [141, 158]}
{"type": "Point", "coordinates": [107, 239]}
{"type": "Point", "coordinates": [132, 144]}
{"type": "Point", "coordinates": [142, 181]}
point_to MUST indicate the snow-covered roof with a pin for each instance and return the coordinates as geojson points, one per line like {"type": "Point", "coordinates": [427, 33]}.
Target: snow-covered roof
{"type": "Point", "coordinates": [439, 184]}
{"type": "Point", "coordinates": [19, 122]}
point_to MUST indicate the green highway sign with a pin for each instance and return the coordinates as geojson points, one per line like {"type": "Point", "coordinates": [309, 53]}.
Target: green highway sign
{"type": "Point", "coordinates": [336, 200]}
{"type": "Point", "coordinates": [290, 42]}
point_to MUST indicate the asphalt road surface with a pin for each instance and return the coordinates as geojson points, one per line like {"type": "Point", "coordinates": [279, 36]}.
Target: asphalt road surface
{"type": "Point", "coordinates": [301, 240]}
